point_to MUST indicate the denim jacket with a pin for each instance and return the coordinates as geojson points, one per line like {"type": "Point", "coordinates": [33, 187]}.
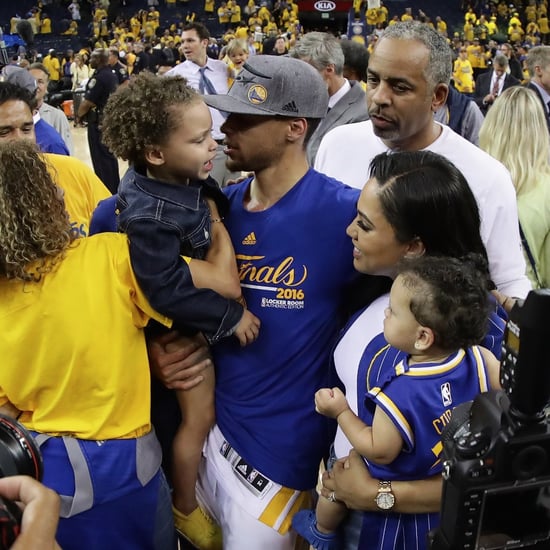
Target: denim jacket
{"type": "Point", "coordinates": [164, 221]}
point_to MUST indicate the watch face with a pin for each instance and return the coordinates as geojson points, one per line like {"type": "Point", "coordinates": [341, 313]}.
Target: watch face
{"type": "Point", "coordinates": [385, 501]}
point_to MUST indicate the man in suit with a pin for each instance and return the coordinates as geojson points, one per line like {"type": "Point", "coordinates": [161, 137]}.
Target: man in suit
{"type": "Point", "coordinates": [347, 100]}
{"type": "Point", "coordinates": [490, 84]}
{"type": "Point", "coordinates": [538, 65]}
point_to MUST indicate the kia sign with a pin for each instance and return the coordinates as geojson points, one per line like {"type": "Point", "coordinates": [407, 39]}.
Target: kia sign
{"type": "Point", "coordinates": [326, 5]}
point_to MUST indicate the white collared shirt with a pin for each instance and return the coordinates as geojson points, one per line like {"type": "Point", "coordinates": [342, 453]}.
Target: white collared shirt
{"type": "Point", "coordinates": [334, 99]}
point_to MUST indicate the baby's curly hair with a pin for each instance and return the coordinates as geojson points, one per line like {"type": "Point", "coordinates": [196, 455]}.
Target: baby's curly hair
{"type": "Point", "coordinates": [450, 296]}
{"type": "Point", "coordinates": [140, 114]}
{"type": "Point", "coordinates": [34, 226]}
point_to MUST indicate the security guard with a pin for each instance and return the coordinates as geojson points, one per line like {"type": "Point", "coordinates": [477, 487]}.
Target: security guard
{"type": "Point", "coordinates": [98, 89]}
{"type": "Point", "coordinates": [120, 70]}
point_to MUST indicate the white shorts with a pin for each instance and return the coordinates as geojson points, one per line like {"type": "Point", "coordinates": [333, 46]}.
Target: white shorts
{"type": "Point", "coordinates": [252, 511]}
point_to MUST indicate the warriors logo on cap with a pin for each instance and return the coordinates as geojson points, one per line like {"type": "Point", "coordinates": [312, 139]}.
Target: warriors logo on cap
{"type": "Point", "coordinates": [257, 94]}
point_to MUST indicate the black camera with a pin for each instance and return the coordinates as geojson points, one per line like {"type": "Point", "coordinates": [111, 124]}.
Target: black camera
{"type": "Point", "coordinates": [496, 449]}
{"type": "Point", "coordinates": [19, 455]}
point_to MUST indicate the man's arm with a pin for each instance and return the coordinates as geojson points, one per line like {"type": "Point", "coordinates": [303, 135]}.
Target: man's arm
{"type": "Point", "coordinates": [85, 106]}
{"type": "Point", "coordinates": [178, 361]}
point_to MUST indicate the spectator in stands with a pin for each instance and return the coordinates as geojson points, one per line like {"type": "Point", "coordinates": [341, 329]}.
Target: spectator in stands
{"type": "Point", "coordinates": [269, 42]}
{"type": "Point", "coordinates": [224, 16]}
{"type": "Point", "coordinates": [491, 84]}
{"type": "Point", "coordinates": [53, 66]}
{"type": "Point", "coordinates": [347, 101]}
{"type": "Point", "coordinates": [119, 69]}
{"type": "Point", "coordinates": [508, 135]}
{"type": "Point", "coordinates": [66, 77]}
{"type": "Point", "coordinates": [237, 54]}
{"type": "Point", "coordinates": [356, 62]}
{"type": "Point", "coordinates": [20, 117]}
{"type": "Point", "coordinates": [538, 65]}
{"type": "Point", "coordinates": [74, 10]}
{"type": "Point", "coordinates": [280, 47]}
{"type": "Point", "coordinates": [55, 117]}
{"type": "Point", "coordinates": [463, 73]}
{"type": "Point", "coordinates": [81, 73]}
{"type": "Point", "coordinates": [45, 24]}
{"type": "Point", "coordinates": [515, 66]}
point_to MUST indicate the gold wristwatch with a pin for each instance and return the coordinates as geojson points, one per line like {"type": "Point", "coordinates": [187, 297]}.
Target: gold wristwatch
{"type": "Point", "coordinates": [385, 499]}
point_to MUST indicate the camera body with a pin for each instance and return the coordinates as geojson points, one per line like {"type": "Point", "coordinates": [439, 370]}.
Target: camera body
{"type": "Point", "coordinates": [496, 449]}
{"type": "Point", "coordinates": [19, 455]}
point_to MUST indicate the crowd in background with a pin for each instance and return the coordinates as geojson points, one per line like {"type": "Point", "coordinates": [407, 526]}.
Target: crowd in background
{"type": "Point", "coordinates": [150, 38]}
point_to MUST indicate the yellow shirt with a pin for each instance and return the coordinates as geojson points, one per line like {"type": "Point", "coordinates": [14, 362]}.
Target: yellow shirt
{"type": "Point", "coordinates": [530, 13]}
{"type": "Point", "coordinates": [236, 13]}
{"type": "Point", "coordinates": [474, 55]}
{"type": "Point", "coordinates": [270, 26]}
{"type": "Point", "coordinates": [492, 28]}
{"type": "Point", "coordinates": [135, 25]}
{"type": "Point", "coordinates": [46, 26]}
{"type": "Point", "coordinates": [77, 356]}
{"type": "Point", "coordinates": [468, 32]}
{"type": "Point", "coordinates": [82, 189]}
{"type": "Point", "coordinates": [241, 32]}
{"type": "Point", "coordinates": [54, 67]}
{"type": "Point", "coordinates": [382, 15]}
{"type": "Point", "coordinates": [371, 16]}
{"type": "Point", "coordinates": [223, 15]}
{"type": "Point", "coordinates": [264, 13]}
{"type": "Point", "coordinates": [254, 22]}
{"type": "Point", "coordinates": [100, 14]}
{"type": "Point", "coordinates": [463, 76]}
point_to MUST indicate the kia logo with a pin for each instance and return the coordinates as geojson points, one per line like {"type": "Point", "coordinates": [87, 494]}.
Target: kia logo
{"type": "Point", "coordinates": [325, 6]}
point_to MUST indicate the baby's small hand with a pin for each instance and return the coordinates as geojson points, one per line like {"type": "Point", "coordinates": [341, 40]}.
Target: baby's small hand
{"type": "Point", "coordinates": [330, 402]}
{"type": "Point", "coordinates": [248, 328]}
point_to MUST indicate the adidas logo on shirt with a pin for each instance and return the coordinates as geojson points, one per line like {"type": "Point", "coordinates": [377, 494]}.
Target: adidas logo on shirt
{"type": "Point", "coordinates": [250, 238]}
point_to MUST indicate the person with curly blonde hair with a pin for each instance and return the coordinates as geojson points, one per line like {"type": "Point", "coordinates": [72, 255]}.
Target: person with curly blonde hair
{"type": "Point", "coordinates": [169, 205]}
{"type": "Point", "coordinates": [72, 319]}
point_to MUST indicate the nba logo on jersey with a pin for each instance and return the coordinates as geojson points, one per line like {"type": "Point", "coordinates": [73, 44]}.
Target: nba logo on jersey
{"type": "Point", "coordinates": [446, 394]}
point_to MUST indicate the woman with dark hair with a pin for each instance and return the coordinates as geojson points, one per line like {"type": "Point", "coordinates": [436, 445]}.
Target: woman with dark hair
{"type": "Point", "coordinates": [414, 203]}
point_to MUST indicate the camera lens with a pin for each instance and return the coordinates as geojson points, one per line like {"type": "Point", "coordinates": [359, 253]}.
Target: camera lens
{"type": "Point", "coordinates": [19, 453]}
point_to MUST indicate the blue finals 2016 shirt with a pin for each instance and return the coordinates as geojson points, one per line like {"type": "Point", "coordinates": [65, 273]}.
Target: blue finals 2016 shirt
{"type": "Point", "coordinates": [294, 261]}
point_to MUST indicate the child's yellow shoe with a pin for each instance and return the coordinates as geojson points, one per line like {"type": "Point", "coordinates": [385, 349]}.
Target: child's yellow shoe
{"type": "Point", "coordinates": [199, 529]}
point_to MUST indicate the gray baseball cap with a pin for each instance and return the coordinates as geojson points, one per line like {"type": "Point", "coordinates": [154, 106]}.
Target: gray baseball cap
{"type": "Point", "coordinates": [20, 77]}
{"type": "Point", "coordinates": [274, 85]}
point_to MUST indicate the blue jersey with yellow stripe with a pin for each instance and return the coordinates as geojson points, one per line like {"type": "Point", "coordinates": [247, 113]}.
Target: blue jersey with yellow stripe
{"type": "Point", "coordinates": [419, 400]}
